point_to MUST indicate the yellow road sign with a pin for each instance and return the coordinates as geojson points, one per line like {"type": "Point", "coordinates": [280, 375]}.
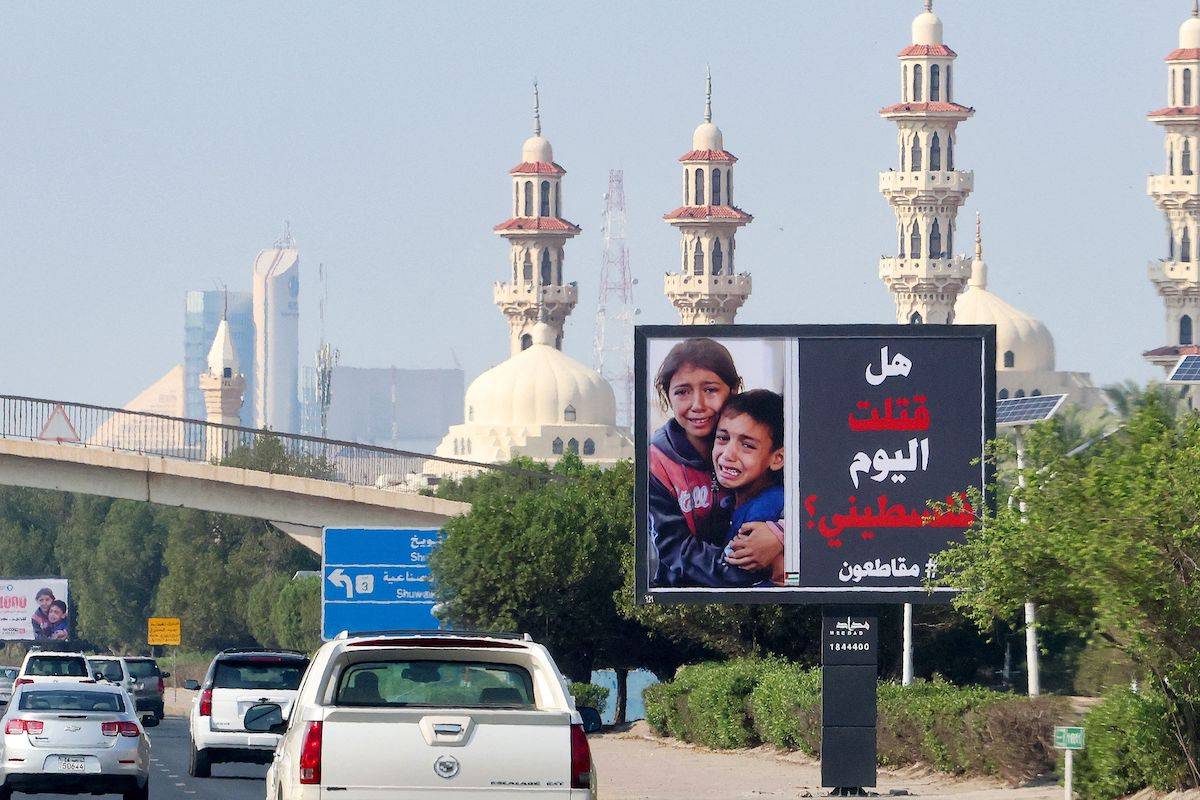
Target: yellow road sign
{"type": "Point", "coordinates": [163, 630]}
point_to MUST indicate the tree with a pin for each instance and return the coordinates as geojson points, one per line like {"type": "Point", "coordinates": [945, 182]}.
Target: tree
{"type": "Point", "coordinates": [117, 593]}
{"type": "Point", "coordinates": [1109, 546]}
{"type": "Point", "coordinates": [269, 454]}
{"type": "Point", "coordinates": [296, 616]}
{"type": "Point", "coordinates": [197, 587]}
{"type": "Point", "coordinates": [545, 557]}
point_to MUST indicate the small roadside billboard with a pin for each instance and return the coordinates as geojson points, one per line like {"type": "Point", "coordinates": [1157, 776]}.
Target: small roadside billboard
{"type": "Point", "coordinates": [163, 631]}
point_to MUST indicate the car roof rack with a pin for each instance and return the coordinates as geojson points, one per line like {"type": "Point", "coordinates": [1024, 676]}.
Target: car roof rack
{"type": "Point", "coordinates": [239, 650]}
{"type": "Point", "coordinates": [525, 637]}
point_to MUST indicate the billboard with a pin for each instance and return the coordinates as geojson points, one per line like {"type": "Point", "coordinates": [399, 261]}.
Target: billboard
{"type": "Point", "coordinates": [34, 609]}
{"type": "Point", "coordinates": [798, 463]}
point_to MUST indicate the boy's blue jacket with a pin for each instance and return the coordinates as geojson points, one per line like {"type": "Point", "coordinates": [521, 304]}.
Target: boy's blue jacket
{"type": "Point", "coordinates": [689, 517]}
{"type": "Point", "coordinates": [766, 506]}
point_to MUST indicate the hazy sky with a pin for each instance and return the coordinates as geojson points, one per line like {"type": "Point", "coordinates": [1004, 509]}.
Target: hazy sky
{"type": "Point", "coordinates": [153, 148]}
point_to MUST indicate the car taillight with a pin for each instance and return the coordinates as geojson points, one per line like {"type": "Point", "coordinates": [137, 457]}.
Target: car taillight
{"type": "Point", "coordinates": [206, 703]}
{"type": "Point", "coordinates": [18, 726]}
{"type": "Point", "coordinates": [581, 759]}
{"type": "Point", "coordinates": [310, 754]}
{"type": "Point", "coordinates": [22, 682]}
{"type": "Point", "coordinates": [129, 729]}
{"type": "Point", "coordinates": [162, 687]}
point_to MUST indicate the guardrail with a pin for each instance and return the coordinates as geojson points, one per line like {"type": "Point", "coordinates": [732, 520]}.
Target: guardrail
{"type": "Point", "coordinates": [145, 433]}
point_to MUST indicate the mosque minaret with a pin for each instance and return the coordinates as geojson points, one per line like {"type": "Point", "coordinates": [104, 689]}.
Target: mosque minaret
{"type": "Point", "coordinates": [536, 233]}
{"type": "Point", "coordinates": [926, 192]}
{"type": "Point", "coordinates": [707, 290]}
{"type": "Point", "coordinates": [1177, 195]}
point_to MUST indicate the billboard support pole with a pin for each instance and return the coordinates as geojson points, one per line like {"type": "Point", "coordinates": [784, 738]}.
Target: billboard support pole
{"type": "Point", "coordinates": [849, 679]}
{"type": "Point", "coordinates": [908, 645]}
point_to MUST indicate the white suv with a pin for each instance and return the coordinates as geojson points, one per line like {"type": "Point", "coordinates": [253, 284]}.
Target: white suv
{"type": "Point", "coordinates": [470, 715]}
{"type": "Point", "coordinates": [46, 665]}
{"type": "Point", "coordinates": [238, 679]}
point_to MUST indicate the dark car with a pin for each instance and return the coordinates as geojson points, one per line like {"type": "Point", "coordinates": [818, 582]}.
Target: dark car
{"type": "Point", "coordinates": [148, 684]}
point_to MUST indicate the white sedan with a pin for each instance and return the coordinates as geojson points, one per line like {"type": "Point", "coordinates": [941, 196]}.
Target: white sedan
{"type": "Point", "coordinates": [63, 736]}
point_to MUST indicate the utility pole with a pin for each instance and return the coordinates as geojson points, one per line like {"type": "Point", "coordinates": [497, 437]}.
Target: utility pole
{"type": "Point", "coordinates": [612, 349]}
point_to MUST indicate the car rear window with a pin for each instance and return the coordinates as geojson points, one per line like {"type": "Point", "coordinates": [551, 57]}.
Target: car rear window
{"type": "Point", "coordinates": [456, 684]}
{"type": "Point", "coordinates": [259, 673]}
{"type": "Point", "coordinates": [71, 700]}
{"type": "Point", "coordinates": [143, 668]}
{"type": "Point", "coordinates": [109, 668]}
{"type": "Point", "coordinates": [9, 673]}
{"type": "Point", "coordinates": [44, 666]}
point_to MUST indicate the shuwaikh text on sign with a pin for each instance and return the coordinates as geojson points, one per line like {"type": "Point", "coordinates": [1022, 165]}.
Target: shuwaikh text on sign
{"type": "Point", "coordinates": [807, 463]}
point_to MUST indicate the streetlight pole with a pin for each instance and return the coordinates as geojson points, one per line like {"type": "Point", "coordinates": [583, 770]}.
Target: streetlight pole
{"type": "Point", "coordinates": [1031, 644]}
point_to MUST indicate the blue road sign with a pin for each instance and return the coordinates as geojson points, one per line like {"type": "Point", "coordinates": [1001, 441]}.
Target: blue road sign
{"type": "Point", "coordinates": [377, 579]}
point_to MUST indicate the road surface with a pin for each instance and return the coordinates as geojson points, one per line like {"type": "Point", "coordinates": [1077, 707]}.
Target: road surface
{"type": "Point", "coordinates": [168, 772]}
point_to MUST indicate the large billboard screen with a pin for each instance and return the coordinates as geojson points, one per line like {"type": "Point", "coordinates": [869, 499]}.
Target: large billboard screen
{"type": "Point", "coordinates": [807, 463]}
{"type": "Point", "coordinates": [34, 609]}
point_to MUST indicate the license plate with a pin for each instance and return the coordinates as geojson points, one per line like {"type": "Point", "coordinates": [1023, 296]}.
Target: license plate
{"type": "Point", "coordinates": [72, 764]}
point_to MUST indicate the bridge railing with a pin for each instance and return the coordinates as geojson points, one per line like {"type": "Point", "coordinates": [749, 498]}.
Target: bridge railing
{"type": "Point", "coordinates": [146, 433]}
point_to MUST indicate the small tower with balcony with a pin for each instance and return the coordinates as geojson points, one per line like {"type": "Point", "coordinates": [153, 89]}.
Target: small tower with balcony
{"type": "Point", "coordinates": [707, 290]}
{"type": "Point", "coordinates": [224, 388]}
{"type": "Point", "coordinates": [926, 191]}
{"type": "Point", "coordinates": [1176, 192]}
{"type": "Point", "coordinates": [536, 233]}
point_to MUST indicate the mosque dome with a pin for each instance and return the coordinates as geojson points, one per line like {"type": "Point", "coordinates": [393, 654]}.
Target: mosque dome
{"type": "Point", "coordinates": [708, 137]}
{"type": "Point", "coordinates": [540, 386]}
{"type": "Point", "coordinates": [1028, 339]}
{"type": "Point", "coordinates": [537, 149]}
{"type": "Point", "coordinates": [1189, 33]}
{"type": "Point", "coordinates": [927, 27]}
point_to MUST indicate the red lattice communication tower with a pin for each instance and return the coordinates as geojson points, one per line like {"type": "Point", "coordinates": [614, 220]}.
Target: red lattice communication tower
{"type": "Point", "coordinates": [613, 346]}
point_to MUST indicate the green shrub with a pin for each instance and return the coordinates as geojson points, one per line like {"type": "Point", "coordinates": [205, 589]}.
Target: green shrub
{"type": "Point", "coordinates": [786, 707]}
{"type": "Point", "coordinates": [962, 730]}
{"type": "Point", "coordinates": [717, 702]}
{"type": "Point", "coordinates": [589, 694]}
{"type": "Point", "coordinates": [1129, 747]}
{"type": "Point", "coordinates": [655, 699]}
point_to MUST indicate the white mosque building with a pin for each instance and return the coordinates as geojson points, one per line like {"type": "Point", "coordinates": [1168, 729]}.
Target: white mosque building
{"type": "Point", "coordinates": [928, 282]}
{"type": "Point", "coordinates": [540, 403]}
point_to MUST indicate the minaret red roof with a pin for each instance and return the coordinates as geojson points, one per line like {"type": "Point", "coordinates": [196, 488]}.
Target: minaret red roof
{"type": "Point", "coordinates": [708, 212]}
{"type": "Point", "coordinates": [1184, 54]}
{"type": "Point", "coordinates": [927, 50]}
{"type": "Point", "coordinates": [1176, 111]}
{"type": "Point", "coordinates": [550, 224]}
{"type": "Point", "coordinates": [708, 155]}
{"type": "Point", "coordinates": [537, 168]}
{"type": "Point", "coordinates": [926, 107]}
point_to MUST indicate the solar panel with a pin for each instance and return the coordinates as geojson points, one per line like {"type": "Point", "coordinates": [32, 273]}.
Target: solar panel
{"type": "Point", "coordinates": [1027, 410]}
{"type": "Point", "coordinates": [1186, 371]}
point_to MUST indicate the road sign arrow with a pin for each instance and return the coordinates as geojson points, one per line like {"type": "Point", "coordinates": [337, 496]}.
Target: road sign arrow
{"type": "Point", "coordinates": [340, 578]}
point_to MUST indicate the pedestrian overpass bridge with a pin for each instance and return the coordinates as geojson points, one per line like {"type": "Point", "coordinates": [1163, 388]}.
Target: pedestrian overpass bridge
{"type": "Point", "coordinates": [77, 447]}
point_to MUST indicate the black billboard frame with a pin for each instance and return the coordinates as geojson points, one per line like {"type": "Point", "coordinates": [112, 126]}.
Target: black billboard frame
{"type": "Point", "coordinates": [643, 595]}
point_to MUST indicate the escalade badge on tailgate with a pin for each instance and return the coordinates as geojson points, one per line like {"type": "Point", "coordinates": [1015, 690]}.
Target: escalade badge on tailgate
{"type": "Point", "coordinates": [446, 767]}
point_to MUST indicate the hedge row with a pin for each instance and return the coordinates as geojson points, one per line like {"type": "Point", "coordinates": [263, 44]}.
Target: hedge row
{"type": "Point", "coordinates": [966, 731]}
{"type": "Point", "coordinates": [1129, 747]}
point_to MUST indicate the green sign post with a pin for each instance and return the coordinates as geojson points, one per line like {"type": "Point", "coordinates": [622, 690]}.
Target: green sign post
{"type": "Point", "coordinates": [1068, 739]}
